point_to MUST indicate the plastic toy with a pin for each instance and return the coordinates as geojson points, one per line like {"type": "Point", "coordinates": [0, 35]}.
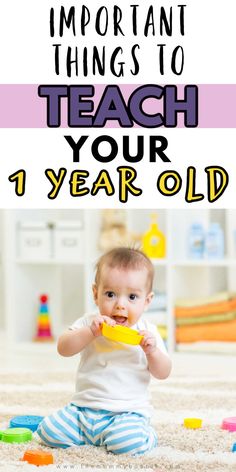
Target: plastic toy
{"type": "Point", "coordinates": [43, 321]}
{"type": "Point", "coordinates": [229, 424]}
{"type": "Point", "coordinates": [121, 334]}
{"type": "Point", "coordinates": [154, 241]}
{"type": "Point", "coordinates": [192, 423]}
{"type": "Point", "coordinates": [16, 435]}
{"type": "Point", "coordinates": [31, 422]}
{"type": "Point", "coordinates": [234, 447]}
{"type": "Point", "coordinates": [37, 457]}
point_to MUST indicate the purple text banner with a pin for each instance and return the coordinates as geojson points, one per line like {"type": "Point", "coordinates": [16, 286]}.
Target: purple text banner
{"type": "Point", "coordinates": [21, 106]}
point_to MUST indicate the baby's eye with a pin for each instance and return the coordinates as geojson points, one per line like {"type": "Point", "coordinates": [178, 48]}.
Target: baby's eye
{"type": "Point", "coordinates": [109, 294]}
{"type": "Point", "coordinates": [132, 296]}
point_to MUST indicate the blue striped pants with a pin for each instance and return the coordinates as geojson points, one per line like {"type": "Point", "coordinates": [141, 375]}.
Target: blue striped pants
{"type": "Point", "coordinates": [77, 426]}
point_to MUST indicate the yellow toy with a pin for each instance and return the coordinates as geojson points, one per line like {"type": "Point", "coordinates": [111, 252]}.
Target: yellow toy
{"type": "Point", "coordinates": [154, 241]}
{"type": "Point", "coordinates": [192, 423]}
{"type": "Point", "coordinates": [121, 334]}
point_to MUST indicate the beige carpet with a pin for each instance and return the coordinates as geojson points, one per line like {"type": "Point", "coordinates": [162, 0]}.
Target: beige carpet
{"type": "Point", "coordinates": [179, 450]}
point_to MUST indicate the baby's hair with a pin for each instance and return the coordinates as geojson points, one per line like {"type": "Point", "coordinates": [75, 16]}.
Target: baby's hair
{"type": "Point", "coordinates": [126, 258]}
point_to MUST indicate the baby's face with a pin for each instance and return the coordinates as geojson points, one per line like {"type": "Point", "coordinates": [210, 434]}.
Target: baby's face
{"type": "Point", "coordinates": [122, 294]}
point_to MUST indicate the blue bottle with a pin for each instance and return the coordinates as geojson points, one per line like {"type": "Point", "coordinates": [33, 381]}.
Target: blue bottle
{"type": "Point", "coordinates": [214, 244]}
{"type": "Point", "coordinates": [196, 241]}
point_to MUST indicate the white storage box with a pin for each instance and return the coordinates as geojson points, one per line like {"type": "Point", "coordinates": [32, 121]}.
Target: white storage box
{"type": "Point", "coordinates": [34, 242]}
{"type": "Point", "coordinates": [68, 241]}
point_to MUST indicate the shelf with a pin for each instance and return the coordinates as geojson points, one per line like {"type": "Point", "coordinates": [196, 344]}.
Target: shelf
{"type": "Point", "coordinates": [56, 261]}
{"type": "Point", "coordinates": [155, 262]}
{"type": "Point", "coordinates": [204, 263]}
{"type": "Point", "coordinates": [48, 262]}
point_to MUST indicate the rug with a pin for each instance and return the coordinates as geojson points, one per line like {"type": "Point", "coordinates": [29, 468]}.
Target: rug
{"type": "Point", "coordinates": [179, 450]}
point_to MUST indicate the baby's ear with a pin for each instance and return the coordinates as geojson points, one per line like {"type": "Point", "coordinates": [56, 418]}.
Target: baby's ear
{"type": "Point", "coordinates": [95, 292]}
{"type": "Point", "coordinates": [149, 298]}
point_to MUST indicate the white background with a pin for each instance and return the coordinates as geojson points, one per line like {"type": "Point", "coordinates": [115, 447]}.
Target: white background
{"type": "Point", "coordinates": [26, 56]}
{"type": "Point", "coordinates": [26, 53]}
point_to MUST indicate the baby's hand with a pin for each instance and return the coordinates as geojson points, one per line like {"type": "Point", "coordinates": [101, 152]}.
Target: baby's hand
{"type": "Point", "coordinates": [148, 343]}
{"type": "Point", "coordinates": [96, 325]}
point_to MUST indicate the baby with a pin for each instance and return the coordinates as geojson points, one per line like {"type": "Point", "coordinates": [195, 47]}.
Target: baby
{"type": "Point", "coordinates": [111, 406]}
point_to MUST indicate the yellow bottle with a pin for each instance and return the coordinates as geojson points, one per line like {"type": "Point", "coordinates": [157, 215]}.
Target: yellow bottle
{"type": "Point", "coordinates": [154, 241]}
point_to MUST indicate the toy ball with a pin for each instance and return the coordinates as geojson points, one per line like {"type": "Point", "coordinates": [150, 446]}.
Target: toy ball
{"type": "Point", "coordinates": [43, 298]}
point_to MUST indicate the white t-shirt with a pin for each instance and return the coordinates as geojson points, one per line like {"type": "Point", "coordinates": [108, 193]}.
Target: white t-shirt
{"type": "Point", "coordinates": [114, 376]}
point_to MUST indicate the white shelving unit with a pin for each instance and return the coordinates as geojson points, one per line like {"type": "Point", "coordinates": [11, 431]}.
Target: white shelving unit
{"type": "Point", "coordinates": [68, 282]}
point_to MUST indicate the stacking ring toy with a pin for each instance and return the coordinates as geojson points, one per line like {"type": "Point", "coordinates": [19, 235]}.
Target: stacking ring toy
{"type": "Point", "coordinates": [192, 423]}
{"type": "Point", "coordinates": [16, 435]}
{"type": "Point", "coordinates": [28, 421]}
{"type": "Point", "coordinates": [37, 457]}
{"type": "Point", "coordinates": [229, 424]}
{"type": "Point", "coordinates": [121, 334]}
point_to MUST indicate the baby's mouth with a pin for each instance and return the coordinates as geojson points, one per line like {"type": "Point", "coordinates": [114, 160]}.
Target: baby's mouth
{"type": "Point", "coordinates": [121, 320]}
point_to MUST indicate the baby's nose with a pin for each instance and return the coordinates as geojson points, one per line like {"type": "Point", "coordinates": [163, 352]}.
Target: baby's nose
{"type": "Point", "coordinates": [120, 304]}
